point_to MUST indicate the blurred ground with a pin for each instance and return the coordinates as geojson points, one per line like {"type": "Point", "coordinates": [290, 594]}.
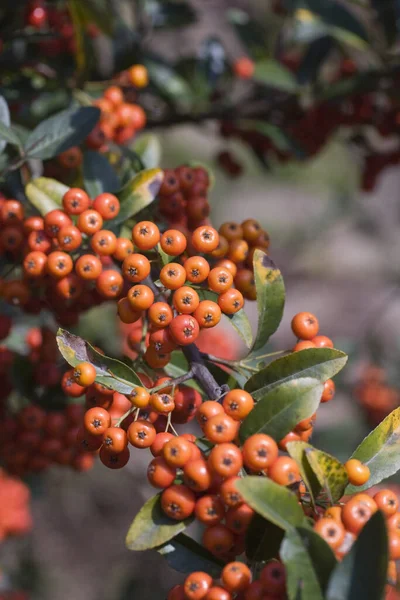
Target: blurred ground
{"type": "Point", "coordinates": [337, 249]}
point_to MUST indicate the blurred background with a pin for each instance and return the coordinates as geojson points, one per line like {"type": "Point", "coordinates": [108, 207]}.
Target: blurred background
{"type": "Point", "coordinates": [334, 235]}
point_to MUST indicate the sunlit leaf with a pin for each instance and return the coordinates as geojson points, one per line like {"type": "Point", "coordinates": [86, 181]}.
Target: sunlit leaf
{"type": "Point", "coordinates": [380, 451]}
{"type": "Point", "coordinates": [186, 555]}
{"type": "Point", "coordinates": [272, 501]}
{"type": "Point", "coordinates": [109, 371]}
{"type": "Point", "coordinates": [152, 528]}
{"type": "Point", "coordinates": [270, 297]}
{"type": "Point", "coordinates": [61, 131]}
{"type": "Point", "coordinates": [45, 193]}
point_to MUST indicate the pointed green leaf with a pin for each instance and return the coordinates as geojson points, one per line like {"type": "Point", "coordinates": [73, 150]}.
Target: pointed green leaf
{"type": "Point", "coordinates": [7, 133]}
{"type": "Point", "coordinates": [271, 73]}
{"type": "Point", "coordinates": [45, 193]}
{"type": "Point", "coordinates": [272, 501]}
{"type": "Point", "coordinates": [152, 528]}
{"type": "Point", "coordinates": [338, 17]}
{"type": "Point", "coordinates": [138, 193]}
{"type": "Point", "coordinates": [240, 322]}
{"type": "Point", "coordinates": [318, 363]}
{"type": "Point", "coordinates": [8, 136]}
{"type": "Point", "coordinates": [263, 539]}
{"type": "Point", "coordinates": [61, 131]}
{"type": "Point", "coordinates": [99, 176]}
{"type": "Point", "coordinates": [362, 572]}
{"type": "Point", "coordinates": [186, 555]}
{"type": "Point", "coordinates": [281, 409]}
{"type": "Point", "coordinates": [270, 297]}
{"type": "Point", "coordinates": [110, 372]}
{"type": "Point", "coordinates": [380, 451]}
{"type": "Point", "coordinates": [170, 84]}
{"type": "Point", "coordinates": [309, 562]}
{"type": "Point", "coordinates": [148, 147]}
{"type": "Point", "coordinates": [329, 471]}
{"type": "Point", "coordinates": [297, 451]}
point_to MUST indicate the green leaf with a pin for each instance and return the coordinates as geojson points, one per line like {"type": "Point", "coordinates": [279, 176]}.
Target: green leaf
{"type": "Point", "coordinates": [338, 16]}
{"type": "Point", "coordinates": [171, 86]}
{"type": "Point", "coordinates": [263, 539]}
{"type": "Point", "coordinates": [61, 131]}
{"type": "Point", "coordinates": [98, 175]}
{"type": "Point", "coordinates": [240, 322]}
{"type": "Point", "coordinates": [330, 472]}
{"type": "Point", "coordinates": [318, 363]}
{"type": "Point", "coordinates": [309, 562]}
{"type": "Point", "coordinates": [138, 194]}
{"type": "Point", "coordinates": [148, 148]}
{"type": "Point", "coordinates": [288, 390]}
{"type": "Point", "coordinates": [7, 135]}
{"type": "Point", "coordinates": [316, 19]}
{"type": "Point", "coordinates": [186, 555]}
{"type": "Point", "coordinates": [177, 366]}
{"type": "Point", "coordinates": [271, 73]}
{"type": "Point", "coordinates": [47, 103]}
{"type": "Point", "coordinates": [387, 17]}
{"type": "Point", "coordinates": [152, 528]}
{"type": "Point", "coordinates": [362, 572]}
{"type": "Point", "coordinates": [169, 14]}
{"type": "Point", "coordinates": [99, 12]}
{"type": "Point", "coordinates": [272, 501]}
{"type": "Point", "coordinates": [250, 32]}
{"type": "Point", "coordinates": [279, 411]}
{"type": "Point", "coordinates": [297, 450]}
{"type": "Point", "coordinates": [270, 297]}
{"type": "Point", "coordinates": [110, 372]}
{"type": "Point", "coordinates": [45, 193]}
{"type": "Point", "coordinates": [278, 136]}
{"type": "Point", "coordinates": [380, 451]}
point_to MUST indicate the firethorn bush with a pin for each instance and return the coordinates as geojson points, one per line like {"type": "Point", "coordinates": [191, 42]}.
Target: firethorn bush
{"type": "Point", "coordinates": [88, 218]}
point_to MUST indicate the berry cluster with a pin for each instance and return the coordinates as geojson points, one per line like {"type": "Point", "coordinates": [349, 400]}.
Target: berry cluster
{"type": "Point", "coordinates": [176, 317]}
{"type": "Point", "coordinates": [235, 581]}
{"type": "Point", "coordinates": [340, 524]}
{"type": "Point", "coordinates": [305, 327]}
{"type": "Point", "coordinates": [376, 396]}
{"type": "Point", "coordinates": [55, 20]}
{"type": "Point", "coordinates": [15, 516]}
{"type": "Point", "coordinates": [238, 243]}
{"type": "Point", "coordinates": [120, 120]}
{"type": "Point", "coordinates": [183, 199]}
{"type": "Point", "coordinates": [63, 257]}
{"type": "Point", "coordinates": [34, 439]}
{"type": "Point", "coordinates": [310, 129]}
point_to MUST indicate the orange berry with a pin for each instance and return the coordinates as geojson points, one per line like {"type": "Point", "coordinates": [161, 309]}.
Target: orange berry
{"type": "Point", "coordinates": [331, 531]}
{"type": "Point", "coordinates": [357, 472]}
{"type": "Point", "coordinates": [305, 326]}
{"type": "Point", "coordinates": [145, 235]}
{"type": "Point", "coordinates": [284, 471]}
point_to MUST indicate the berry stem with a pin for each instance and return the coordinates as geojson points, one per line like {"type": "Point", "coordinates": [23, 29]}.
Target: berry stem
{"type": "Point", "coordinates": [125, 415]}
{"type": "Point", "coordinates": [201, 374]}
{"type": "Point", "coordinates": [173, 382]}
{"type": "Point", "coordinates": [268, 355]}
